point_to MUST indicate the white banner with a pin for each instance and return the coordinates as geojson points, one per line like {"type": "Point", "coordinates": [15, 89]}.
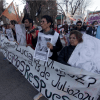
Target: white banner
{"type": "Point", "coordinates": [54, 80]}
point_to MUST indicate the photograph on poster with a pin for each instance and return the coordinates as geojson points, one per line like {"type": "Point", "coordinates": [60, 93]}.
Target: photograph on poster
{"type": "Point", "coordinates": [41, 50]}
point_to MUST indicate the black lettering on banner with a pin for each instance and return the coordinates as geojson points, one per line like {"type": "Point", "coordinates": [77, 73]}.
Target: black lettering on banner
{"type": "Point", "coordinates": [70, 91]}
{"type": "Point", "coordinates": [65, 98]}
{"type": "Point", "coordinates": [30, 75]}
{"type": "Point", "coordinates": [30, 56]}
{"type": "Point", "coordinates": [26, 71]}
{"type": "Point", "coordinates": [58, 82]}
{"type": "Point", "coordinates": [88, 96]}
{"type": "Point", "coordinates": [56, 95]}
{"type": "Point", "coordinates": [80, 79]}
{"type": "Point", "coordinates": [64, 86]}
{"type": "Point", "coordinates": [37, 67]}
{"type": "Point", "coordinates": [17, 63]}
{"type": "Point", "coordinates": [51, 64]}
{"type": "Point", "coordinates": [13, 56]}
{"type": "Point", "coordinates": [44, 63]}
{"type": "Point", "coordinates": [94, 81]}
{"type": "Point", "coordinates": [47, 95]}
{"type": "Point", "coordinates": [42, 85]}
{"type": "Point", "coordinates": [72, 76]}
{"type": "Point", "coordinates": [45, 74]}
{"type": "Point", "coordinates": [37, 80]}
{"type": "Point", "coordinates": [26, 53]}
{"type": "Point", "coordinates": [30, 62]}
{"type": "Point", "coordinates": [22, 64]}
{"type": "Point", "coordinates": [18, 49]}
{"type": "Point", "coordinates": [9, 55]}
{"type": "Point", "coordinates": [78, 91]}
{"type": "Point", "coordinates": [80, 95]}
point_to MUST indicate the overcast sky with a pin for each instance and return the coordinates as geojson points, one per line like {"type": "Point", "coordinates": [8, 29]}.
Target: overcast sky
{"type": "Point", "coordinates": [94, 6]}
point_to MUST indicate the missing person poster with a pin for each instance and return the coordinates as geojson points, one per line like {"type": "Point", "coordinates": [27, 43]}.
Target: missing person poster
{"type": "Point", "coordinates": [41, 50]}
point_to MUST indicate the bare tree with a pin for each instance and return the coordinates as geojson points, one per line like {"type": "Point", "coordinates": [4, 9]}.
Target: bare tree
{"type": "Point", "coordinates": [47, 7]}
{"type": "Point", "coordinates": [72, 6]}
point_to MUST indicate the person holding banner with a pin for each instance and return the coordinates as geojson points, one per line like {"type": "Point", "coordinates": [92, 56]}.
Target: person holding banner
{"type": "Point", "coordinates": [55, 46]}
{"type": "Point", "coordinates": [74, 38]}
{"type": "Point", "coordinates": [12, 26]}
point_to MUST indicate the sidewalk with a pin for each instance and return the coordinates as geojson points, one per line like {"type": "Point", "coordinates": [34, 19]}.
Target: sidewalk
{"type": "Point", "coordinates": [13, 86]}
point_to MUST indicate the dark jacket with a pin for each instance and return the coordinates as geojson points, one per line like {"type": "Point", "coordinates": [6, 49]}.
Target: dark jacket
{"type": "Point", "coordinates": [81, 29]}
{"type": "Point", "coordinates": [65, 28]}
{"type": "Point", "coordinates": [56, 48]}
{"type": "Point", "coordinates": [65, 54]}
{"type": "Point", "coordinates": [91, 31]}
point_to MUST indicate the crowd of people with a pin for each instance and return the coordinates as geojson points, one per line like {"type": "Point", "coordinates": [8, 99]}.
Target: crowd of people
{"type": "Point", "coordinates": [71, 34]}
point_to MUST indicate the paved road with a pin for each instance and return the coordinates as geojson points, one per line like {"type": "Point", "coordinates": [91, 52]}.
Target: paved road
{"type": "Point", "coordinates": [13, 86]}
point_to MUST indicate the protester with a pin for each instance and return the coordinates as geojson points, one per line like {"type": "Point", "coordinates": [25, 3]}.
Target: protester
{"type": "Point", "coordinates": [79, 27]}
{"type": "Point", "coordinates": [55, 46]}
{"type": "Point", "coordinates": [56, 28]}
{"type": "Point", "coordinates": [65, 26]}
{"type": "Point", "coordinates": [93, 29]}
{"type": "Point", "coordinates": [74, 38]}
{"type": "Point", "coordinates": [29, 26]}
{"type": "Point", "coordinates": [84, 26]}
{"type": "Point", "coordinates": [12, 26]}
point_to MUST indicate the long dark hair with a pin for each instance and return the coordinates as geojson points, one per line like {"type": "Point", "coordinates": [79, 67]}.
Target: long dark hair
{"type": "Point", "coordinates": [13, 22]}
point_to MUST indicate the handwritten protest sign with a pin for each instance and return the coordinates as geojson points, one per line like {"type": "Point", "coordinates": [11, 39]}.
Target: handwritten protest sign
{"type": "Point", "coordinates": [21, 34]}
{"type": "Point", "coordinates": [54, 80]}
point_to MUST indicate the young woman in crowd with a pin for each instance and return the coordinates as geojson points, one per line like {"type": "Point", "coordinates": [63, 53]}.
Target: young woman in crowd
{"type": "Point", "coordinates": [74, 38]}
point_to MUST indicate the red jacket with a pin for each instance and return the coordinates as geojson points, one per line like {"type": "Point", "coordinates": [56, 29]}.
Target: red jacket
{"type": "Point", "coordinates": [57, 30]}
{"type": "Point", "coordinates": [29, 37]}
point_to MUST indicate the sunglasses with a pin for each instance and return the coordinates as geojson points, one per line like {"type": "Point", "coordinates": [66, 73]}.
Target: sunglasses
{"type": "Point", "coordinates": [43, 21]}
{"type": "Point", "coordinates": [79, 25]}
{"type": "Point", "coordinates": [74, 38]}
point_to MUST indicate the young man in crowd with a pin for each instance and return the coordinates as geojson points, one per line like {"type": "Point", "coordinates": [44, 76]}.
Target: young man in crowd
{"type": "Point", "coordinates": [79, 27]}
{"type": "Point", "coordinates": [29, 26]}
{"type": "Point", "coordinates": [65, 26]}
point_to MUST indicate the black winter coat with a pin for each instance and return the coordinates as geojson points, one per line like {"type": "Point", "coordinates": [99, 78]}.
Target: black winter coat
{"type": "Point", "coordinates": [65, 54]}
{"type": "Point", "coordinates": [56, 48]}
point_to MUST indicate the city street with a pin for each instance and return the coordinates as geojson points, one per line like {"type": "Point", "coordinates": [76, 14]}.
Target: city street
{"type": "Point", "coordinates": [13, 86]}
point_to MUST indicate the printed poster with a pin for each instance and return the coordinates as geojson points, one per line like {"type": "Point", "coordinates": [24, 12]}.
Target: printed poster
{"type": "Point", "coordinates": [21, 34]}
{"type": "Point", "coordinates": [41, 50]}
